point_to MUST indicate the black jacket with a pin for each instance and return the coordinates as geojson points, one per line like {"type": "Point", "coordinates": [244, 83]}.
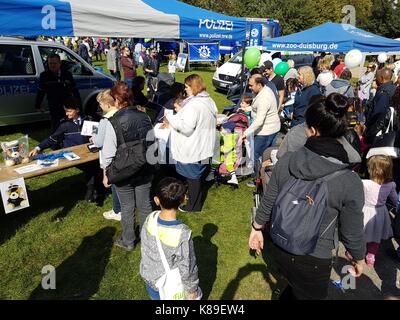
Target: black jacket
{"type": "Point", "coordinates": [57, 87]}
{"type": "Point", "coordinates": [381, 102]}
{"type": "Point", "coordinates": [380, 123]}
{"type": "Point", "coordinates": [346, 196]}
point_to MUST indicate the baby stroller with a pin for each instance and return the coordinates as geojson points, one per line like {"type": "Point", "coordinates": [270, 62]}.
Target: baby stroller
{"type": "Point", "coordinates": [160, 88]}
{"type": "Point", "coordinates": [233, 161]}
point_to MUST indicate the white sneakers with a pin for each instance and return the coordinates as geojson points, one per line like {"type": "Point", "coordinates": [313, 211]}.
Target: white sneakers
{"type": "Point", "coordinates": [111, 215]}
{"type": "Point", "coordinates": [233, 179]}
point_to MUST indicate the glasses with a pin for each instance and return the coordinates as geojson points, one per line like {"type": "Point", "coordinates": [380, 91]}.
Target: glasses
{"type": "Point", "coordinates": [370, 67]}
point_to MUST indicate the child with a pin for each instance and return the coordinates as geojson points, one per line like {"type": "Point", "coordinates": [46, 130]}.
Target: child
{"type": "Point", "coordinates": [377, 224]}
{"type": "Point", "coordinates": [175, 239]}
{"type": "Point", "coordinates": [245, 106]}
{"type": "Point", "coordinates": [68, 134]}
{"type": "Point", "coordinates": [106, 102]}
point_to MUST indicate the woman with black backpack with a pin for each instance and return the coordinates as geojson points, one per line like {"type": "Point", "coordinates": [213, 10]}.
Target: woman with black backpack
{"type": "Point", "coordinates": [124, 162]}
{"type": "Point", "coordinates": [311, 199]}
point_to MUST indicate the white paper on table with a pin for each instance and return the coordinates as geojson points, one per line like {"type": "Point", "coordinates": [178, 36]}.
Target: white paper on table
{"type": "Point", "coordinates": [28, 168]}
{"type": "Point", "coordinates": [89, 128]}
{"type": "Point", "coordinates": [14, 195]}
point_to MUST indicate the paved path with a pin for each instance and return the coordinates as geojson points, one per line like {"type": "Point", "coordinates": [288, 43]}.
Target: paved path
{"type": "Point", "coordinates": [376, 283]}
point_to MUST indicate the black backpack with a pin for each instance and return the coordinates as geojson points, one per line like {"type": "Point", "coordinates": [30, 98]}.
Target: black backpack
{"type": "Point", "coordinates": [129, 158]}
{"type": "Point", "coordinates": [298, 213]}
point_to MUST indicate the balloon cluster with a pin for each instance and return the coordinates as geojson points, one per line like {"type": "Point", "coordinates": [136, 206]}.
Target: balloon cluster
{"type": "Point", "coordinates": [253, 58]}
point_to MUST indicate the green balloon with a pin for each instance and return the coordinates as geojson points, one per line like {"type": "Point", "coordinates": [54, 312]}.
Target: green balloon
{"type": "Point", "coordinates": [252, 57]}
{"type": "Point", "coordinates": [281, 68]}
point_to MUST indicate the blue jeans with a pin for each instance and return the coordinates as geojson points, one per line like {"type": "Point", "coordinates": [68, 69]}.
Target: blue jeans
{"type": "Point", "coordinates": [260, 144]}
{"type": "Point", "coordinates": [116, 205]}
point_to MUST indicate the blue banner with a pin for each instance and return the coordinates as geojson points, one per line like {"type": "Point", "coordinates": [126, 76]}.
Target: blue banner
{"type": "Point", "coordinates": [199, 52]}
{"type": "Point", "coordinates": [255, 35]}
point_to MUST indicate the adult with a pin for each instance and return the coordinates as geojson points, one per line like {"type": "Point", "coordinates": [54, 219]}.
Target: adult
{"type": "Point", "coordinates": [338, 69]}
{"type": "Point", "coordinates": [341, 85]}
{"type": "Point", "coordinates": [309, 88]}
{"type": "Point", "coordinates": [383, 97]}
{"type": "Point", "coordinates": [266, 123]}
{"type": "Point", "coordinates": [316, 61]}
{"type": "Point", "coordinates": [83, 50]}
{"type": "Point", "coordinates": [128, 66]}
{"type": "Point", "coordinates": [292, 73]}
{"type": "Point", "coordinates": [366, 81]}
{"type": "Point", "coordinates": [377, 116]}
{"type": "Point", "coordinates": [151, 67]}
{"type": "Point", "coordinates": [309, 275]}
{"type": "Point", "coordinates": [193, 135]}
{"type": "Point", "coordinates": [57, 84]}
{"type": "Point", "coordinates": [114, 61]}
{"type": "Point", "coordinates": [134, 192]}
{"type": "Point", "coordinates": [275, 79]}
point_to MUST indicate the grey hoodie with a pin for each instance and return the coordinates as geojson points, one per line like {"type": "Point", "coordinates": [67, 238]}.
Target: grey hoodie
{"type": "Point", "coordinates": [340, 86]}
{"type": "Point", "coordinates": [346, 199]}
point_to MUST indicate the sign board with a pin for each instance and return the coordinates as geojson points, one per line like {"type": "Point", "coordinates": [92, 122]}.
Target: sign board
{"type": "Point", "coordinates": [203, 52]}
{"type": "Point", "coordinates": [181, 61]}
{"type": "Point", "coordinates": [14, 195]}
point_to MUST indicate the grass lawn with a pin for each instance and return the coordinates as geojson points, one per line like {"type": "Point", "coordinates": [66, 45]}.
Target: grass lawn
{"type": "Point", "coordinates": [62, 230]}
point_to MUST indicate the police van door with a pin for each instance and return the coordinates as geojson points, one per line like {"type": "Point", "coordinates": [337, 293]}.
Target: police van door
{"type": "Point", "coordinates": [18, 84]}
{"type": "Point", "coordinates": [71, 62]}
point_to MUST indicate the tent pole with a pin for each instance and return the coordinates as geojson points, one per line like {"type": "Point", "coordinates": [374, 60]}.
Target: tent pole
{"type": "Point", "coordinates": [242, 72]}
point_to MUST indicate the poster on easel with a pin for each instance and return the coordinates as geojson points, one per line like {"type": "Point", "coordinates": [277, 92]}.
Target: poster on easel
{"type": "Point", "coordinates": [14, 195]}
{"type": "Point", "coordinates": [181, 61]}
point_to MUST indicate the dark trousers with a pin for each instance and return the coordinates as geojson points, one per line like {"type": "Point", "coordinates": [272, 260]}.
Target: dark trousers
{"type": "Point", "coordinates": [116, 74]}
{"type": "Point", "coordinates": [197, 193]}
{"type": "Point", "coordinates": [308, 277]}
{"type": "Point", "coordinates": [92, 176]}
{"type": "Point", "coordinates": [56, 114]}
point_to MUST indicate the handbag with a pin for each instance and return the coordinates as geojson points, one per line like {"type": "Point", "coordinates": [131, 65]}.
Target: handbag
{"type": "Point", "coordinates": [129, 158]}
{"type": "Point", "coordinates": [170, 284]}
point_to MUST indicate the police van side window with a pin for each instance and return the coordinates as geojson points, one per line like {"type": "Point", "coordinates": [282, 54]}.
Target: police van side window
{"type": "Point", "coordinates": [68, 61]}
{"type": "Point", "coordinates": [16, 60]}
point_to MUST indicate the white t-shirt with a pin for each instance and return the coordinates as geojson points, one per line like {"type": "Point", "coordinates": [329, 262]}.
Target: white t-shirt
{"type": "Point", "coordinates": [171, 66]}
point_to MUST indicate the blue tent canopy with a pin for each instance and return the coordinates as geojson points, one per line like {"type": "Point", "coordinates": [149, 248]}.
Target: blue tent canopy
{"type": "Point", "coordinates": [333, 37]}
{"type": "Point", "coordinates": [117, 18]}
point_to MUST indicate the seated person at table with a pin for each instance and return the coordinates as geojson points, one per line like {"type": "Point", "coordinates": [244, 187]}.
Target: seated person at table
{"type": "Point", "coordinates": [68, 134]}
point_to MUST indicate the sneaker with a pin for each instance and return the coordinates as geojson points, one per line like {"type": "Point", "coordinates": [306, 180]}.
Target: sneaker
{"type": "Point", "coordinates": [251, 184]}
{"type": "Point", "coordinates": [120, 244]}
{"type": "Point", "coordinates": [111, 215]}
{"type": "Point", "coordinates": [233, 179]}
{"type": "Point", "coordinates": [182, 208]}
{"type": "Point", "coordinates": [370, 259]}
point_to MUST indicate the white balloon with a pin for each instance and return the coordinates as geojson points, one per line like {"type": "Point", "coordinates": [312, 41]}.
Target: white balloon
{"type": "Point", "coordinates": [264, 57]}
{"type": "Point", "coordinates": [382, 58]}
{"type": "Point", "coordinates": [353, 58]}
{"type": "Point", "coordinates": [276, 61]}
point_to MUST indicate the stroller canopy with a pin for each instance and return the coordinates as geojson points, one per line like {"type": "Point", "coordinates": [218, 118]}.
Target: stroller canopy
{"type": "Point", "coordinates": [117, 18]}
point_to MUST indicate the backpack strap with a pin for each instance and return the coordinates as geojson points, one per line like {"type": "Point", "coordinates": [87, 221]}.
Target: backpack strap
{"type": "Point", "coordinates": [118, 130]}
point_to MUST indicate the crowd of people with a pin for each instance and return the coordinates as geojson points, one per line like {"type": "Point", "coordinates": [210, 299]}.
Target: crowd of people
{"type": "Point", "coordinates": [334, 127]}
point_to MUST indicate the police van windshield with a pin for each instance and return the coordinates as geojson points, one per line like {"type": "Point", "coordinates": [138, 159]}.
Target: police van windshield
{"type": "Point", "coordinates": [237, 58]}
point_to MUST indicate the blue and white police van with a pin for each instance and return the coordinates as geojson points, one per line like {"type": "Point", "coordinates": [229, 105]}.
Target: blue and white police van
{"type": "Point", "coordinates": [22, 61]}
